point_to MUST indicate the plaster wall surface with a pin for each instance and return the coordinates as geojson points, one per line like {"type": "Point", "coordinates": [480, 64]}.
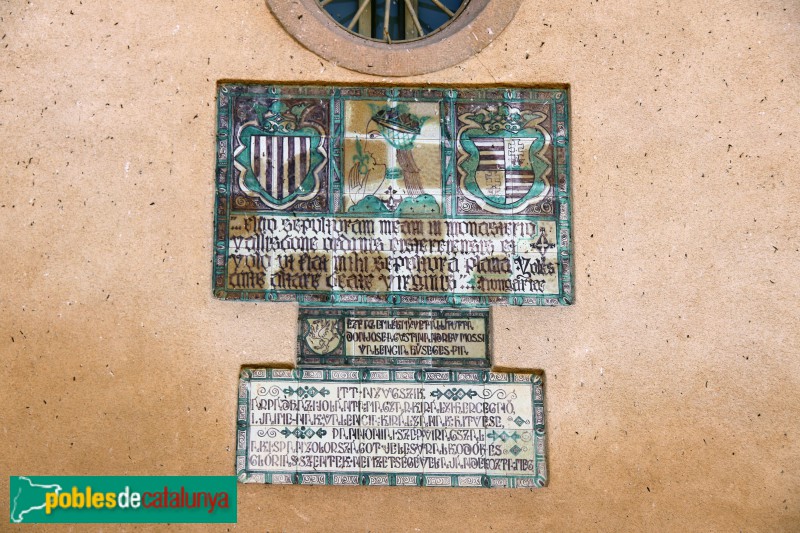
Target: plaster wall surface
{"type": "Point", "coordinates": [671, 384]}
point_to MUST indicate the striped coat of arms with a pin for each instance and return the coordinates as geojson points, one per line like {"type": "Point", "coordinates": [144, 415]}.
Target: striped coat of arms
{"type": "Point", "coordinates": [280, 163]}
{"type": "Point", "coordinates": [504, 173]}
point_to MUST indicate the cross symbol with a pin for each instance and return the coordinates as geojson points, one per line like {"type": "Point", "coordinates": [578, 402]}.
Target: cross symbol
{"type": "Point", "coordinates": [515, 148]}
{"type": "Point", "coordinates": [542, 244]}
{"type": "Point", "coordinates": [390, 203]}
{"type": "Point", "coordinates": [493, 180]}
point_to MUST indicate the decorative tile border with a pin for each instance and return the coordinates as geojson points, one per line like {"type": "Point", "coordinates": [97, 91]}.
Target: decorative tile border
{"type": "Point", "coordinates": [391, 427]}
{"type": "Point", "coordinates": [393, 337]}
{"type": "Point", "coordinates": [412, 197]}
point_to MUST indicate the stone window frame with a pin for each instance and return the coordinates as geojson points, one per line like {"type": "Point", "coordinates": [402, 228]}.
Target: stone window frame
{"type": "Point", "coordinates": [479, 23]}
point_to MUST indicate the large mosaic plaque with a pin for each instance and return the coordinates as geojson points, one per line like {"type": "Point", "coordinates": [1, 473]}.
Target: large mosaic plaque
{"type": "Point", "coordinates": [390, 426]}
{"type": "Point", "coordinates": [360, 196]}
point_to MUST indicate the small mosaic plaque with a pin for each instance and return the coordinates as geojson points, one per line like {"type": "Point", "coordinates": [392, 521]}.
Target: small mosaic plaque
{"type": "Point", "coordinates": [391, 426]}
{"type": "Point", "coordinates": [386, 336]}
{"type": "Point", "coordinates": [411, 197]}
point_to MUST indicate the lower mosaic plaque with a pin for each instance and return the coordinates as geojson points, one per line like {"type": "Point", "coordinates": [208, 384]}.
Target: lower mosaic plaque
{"type": "Point", "coordinates": [391, 426]}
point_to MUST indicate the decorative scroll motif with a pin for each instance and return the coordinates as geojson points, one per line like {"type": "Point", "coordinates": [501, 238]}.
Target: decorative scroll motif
{"type": "Point", "coordinates": [303, 432]}
{"type": "Point", "coordinates": [306, 392]}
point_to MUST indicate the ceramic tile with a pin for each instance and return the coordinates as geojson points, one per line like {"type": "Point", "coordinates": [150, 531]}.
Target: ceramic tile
{"type": "Point", "coordinates": [267, 416]}
{"type": "Point", "coordinates": [454, 425]}
{"type": "Point", "coordinates": [381, 179]}
{"type": "Point", "coordinates": [517, 414]}
{"type": "Point", "coordinates": [391, 422]}
{"type": "Point", "coordinates": [390, 117]}
{"type": "Point", "coordinates": [328, 424]}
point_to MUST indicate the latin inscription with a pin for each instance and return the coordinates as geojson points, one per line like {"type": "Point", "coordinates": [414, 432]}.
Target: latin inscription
{"type": "Point", "coordinates": [385, 336]}
{"type": "Point", "coordinates": [386, 255]}
{"type": "Point", "coordinates": [470, 424]}
{"type": "Point", "coordinates": [413, 337]}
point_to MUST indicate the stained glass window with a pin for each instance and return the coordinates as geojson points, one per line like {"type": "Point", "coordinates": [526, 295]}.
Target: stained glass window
{"type": "Point", "coordinates": [393, 20]}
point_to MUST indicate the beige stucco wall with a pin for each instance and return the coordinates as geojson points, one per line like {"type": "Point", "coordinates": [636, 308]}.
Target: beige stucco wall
{"type": "Point", "coordinates": [672, 383]}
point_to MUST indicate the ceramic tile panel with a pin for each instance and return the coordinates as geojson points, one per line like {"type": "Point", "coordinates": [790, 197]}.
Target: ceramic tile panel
{"type": "Point", "coordinates": [439, 427]}
{"type": "Point", "coordinates": [387, 336]}
{"type": "Point", "coordinates": [455, 424]}
{"type": "Point", "coordinates": [396, 217]}
{"type": "Point", "coordinates": [411, 197]}
{"type": "Point", "coordinates": [516, 438]}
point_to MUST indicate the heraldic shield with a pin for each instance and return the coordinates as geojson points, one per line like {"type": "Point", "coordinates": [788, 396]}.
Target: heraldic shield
{"type": "Point", "coordinates": [502, 161]}
{"type": "Point", "coordinates": [281, 155]}
{"type": "Point", "coordinates": [280, 163]}
{"type": "Point", "coordinates": [504, 172]}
